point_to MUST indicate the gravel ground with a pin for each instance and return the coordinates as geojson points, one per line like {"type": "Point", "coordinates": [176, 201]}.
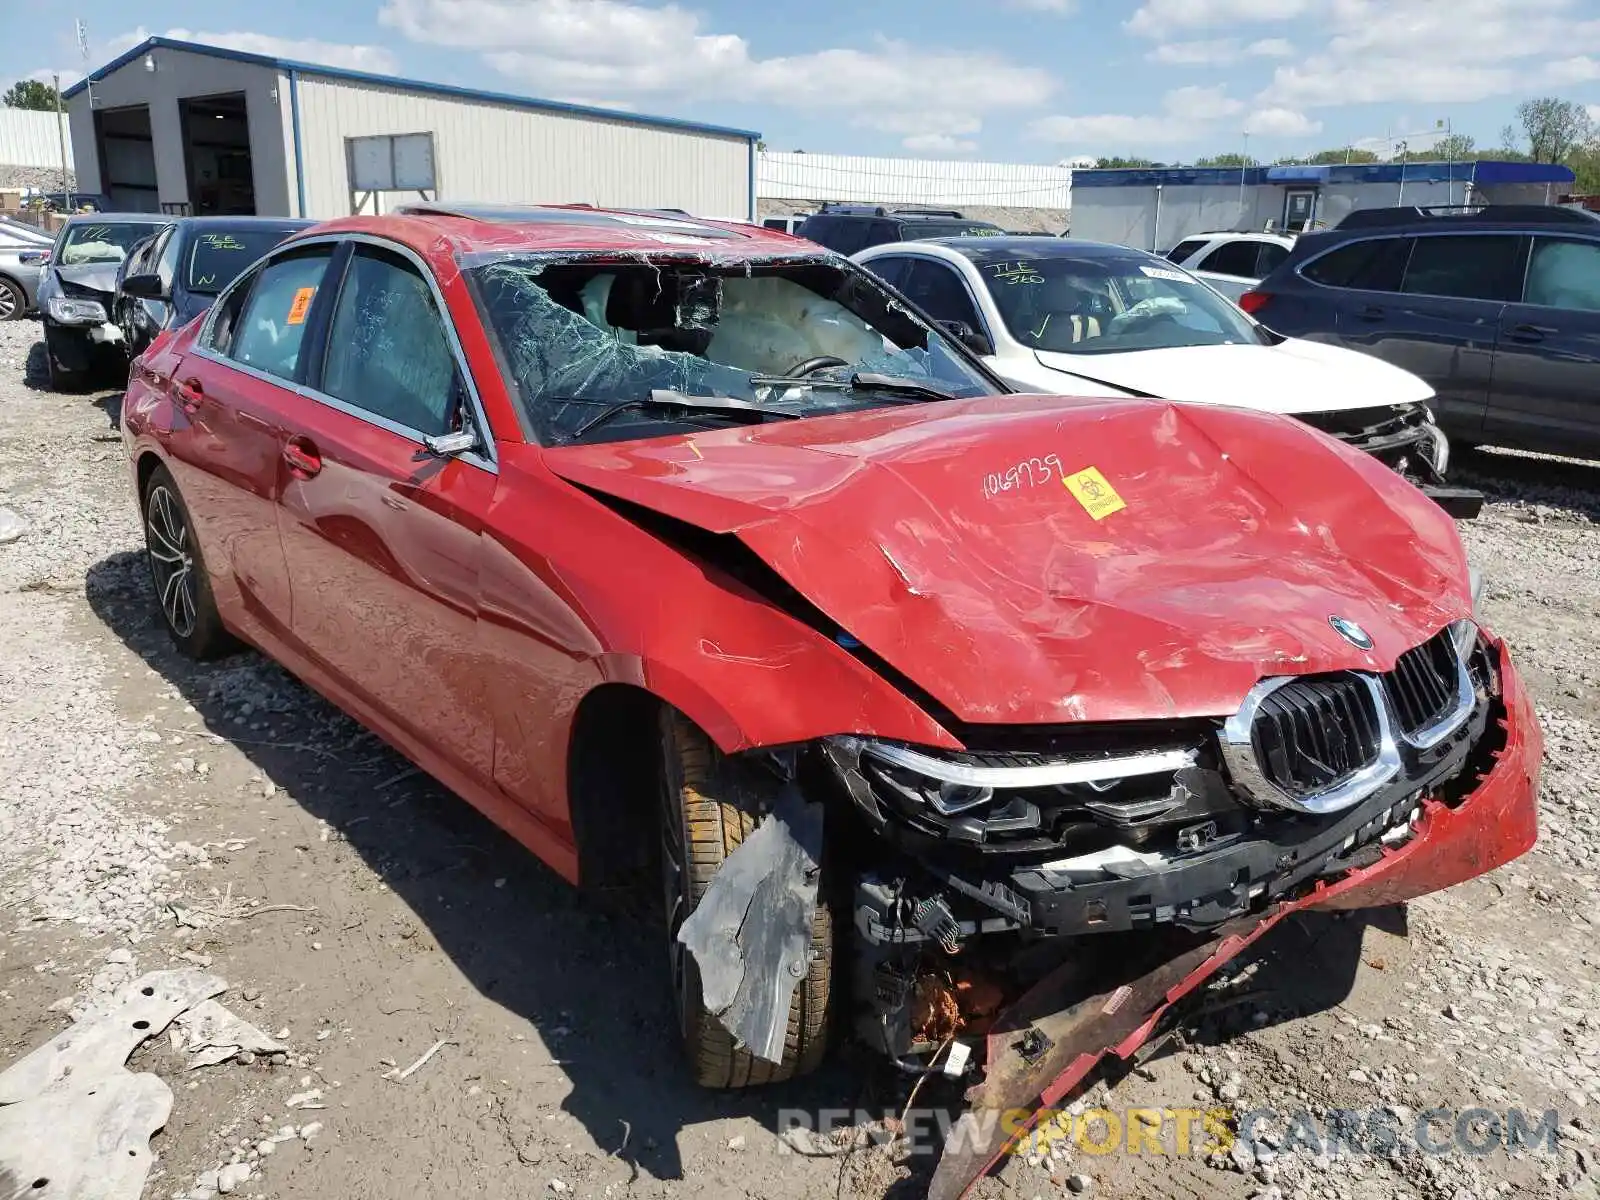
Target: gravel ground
{"type": "Point", "coordinates": [154, 813]}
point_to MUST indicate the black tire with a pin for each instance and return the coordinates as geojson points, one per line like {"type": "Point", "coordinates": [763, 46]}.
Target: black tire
{"type": "Point", "coordinates": [178, 573]}
{"type": "Point", "coordinates": [703, 820]}
{"type": "Point", "coordinates": [13, 300]}
{"type": "Point", "coordinates": [61, 379]}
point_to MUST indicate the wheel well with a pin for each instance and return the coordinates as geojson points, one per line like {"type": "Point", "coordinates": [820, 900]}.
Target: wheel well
{"type": "Point", "coordinates": [148, 463]}
{"type": "Point", "coordinates": [613, 770]}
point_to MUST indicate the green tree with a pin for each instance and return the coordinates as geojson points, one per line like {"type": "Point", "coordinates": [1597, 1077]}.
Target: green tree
{"type": "Point", "coordinates": [1585, 164]}
{"type": "Point", "coordinates": [1453, 147]}
{"type": "Point", "coordinates": [1227, 160]}
{"type": "Point", "coordinates": [1114, 162]}
{"type": "Point", "coordinates": [30, 93]}
{"type": "Point", "coordinates": [1338, 155]}
{"type": "Point", "coordinates": [1553, 128]}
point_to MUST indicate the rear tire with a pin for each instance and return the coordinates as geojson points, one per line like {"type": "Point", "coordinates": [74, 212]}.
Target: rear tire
{"type": "Point", "coordinates": [183, 589]}
{"type": "Point", "coordinates": [704, 820]}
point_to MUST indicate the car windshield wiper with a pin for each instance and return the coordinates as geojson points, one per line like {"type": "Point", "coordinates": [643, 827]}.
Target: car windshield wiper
{"type": "Point", "coordinates": [670, 399]}
{"type": "Point", "coordinates": [860, 379]}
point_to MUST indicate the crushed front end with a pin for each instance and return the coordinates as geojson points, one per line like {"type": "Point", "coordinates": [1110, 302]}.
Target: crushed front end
{"type": "Point", "coordinates": [986, 870]}
{"type": "Point", "coordinates": [1405, 438]}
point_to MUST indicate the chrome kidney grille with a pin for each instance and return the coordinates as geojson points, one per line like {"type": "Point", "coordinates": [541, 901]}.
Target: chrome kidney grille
{"type": "Point", "coordinates": [1321, 743]}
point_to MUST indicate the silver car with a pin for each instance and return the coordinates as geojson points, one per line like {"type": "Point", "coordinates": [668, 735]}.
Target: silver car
{"type": "Point", "coordinates": [23, 251]}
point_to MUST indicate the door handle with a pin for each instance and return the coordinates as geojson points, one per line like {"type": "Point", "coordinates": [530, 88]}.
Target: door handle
{"type": "Point", "coordinates": [1529, 333]}
{"type": "Point", "coordinates": [302, 457]}
{"type": "Point", "coordinates": [190, 394]}
{"type": "Point", "coordinates": [1371, 312]}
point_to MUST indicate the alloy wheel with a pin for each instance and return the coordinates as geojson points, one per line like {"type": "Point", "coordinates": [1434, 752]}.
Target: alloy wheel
{"type": "Point", "coordinates": [171, 560]}
{"type": "Point", "coordinates": [10, 302]}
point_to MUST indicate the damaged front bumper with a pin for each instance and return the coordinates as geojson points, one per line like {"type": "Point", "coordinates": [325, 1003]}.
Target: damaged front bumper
{"type": "Point", "coordinates": [1043, 1048]}
{"type": "Point", "coordinates": [1405, 438]}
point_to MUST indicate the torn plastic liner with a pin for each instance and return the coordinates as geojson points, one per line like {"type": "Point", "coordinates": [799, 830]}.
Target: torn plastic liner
{"type": "Point", "coordinates": [750, 935]}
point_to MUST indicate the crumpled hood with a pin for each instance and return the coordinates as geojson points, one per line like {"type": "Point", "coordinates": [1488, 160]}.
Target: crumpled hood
{"type": "Point", "coordinates": [102, 277]}
{"type": "Point", "coordinates": [1295, 376]}
{"type": "Point", "coordinates": [944, 538]}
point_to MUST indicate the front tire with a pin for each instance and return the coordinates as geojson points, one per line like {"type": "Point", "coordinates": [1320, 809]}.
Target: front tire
{"type": "Point", "coordinates": [62, 379]}
{"type": "Point", "coordinates": [13, 301]}
{"type": "Point", "coordinates": [183, 589]}
{"type": "Point", "coordinates": [704, 819]}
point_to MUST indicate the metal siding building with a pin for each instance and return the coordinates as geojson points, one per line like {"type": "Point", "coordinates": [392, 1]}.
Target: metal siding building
{"type": "Point", "coordinates": [30, 139]}
{"type": "Point", "coordinates": [173, 126]}
{"type": "Point", "coordinates": [1155, 208]}
{"type": "Point", "coordinates": [815, 177]}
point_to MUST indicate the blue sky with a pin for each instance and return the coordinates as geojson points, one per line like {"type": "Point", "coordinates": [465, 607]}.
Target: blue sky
{"type": "Point", "coordinates": [1011, 80]}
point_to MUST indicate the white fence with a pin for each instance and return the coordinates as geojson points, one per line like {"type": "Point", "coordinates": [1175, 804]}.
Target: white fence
{"type": "Point", "coordinates": [799, 176]}
{"type": "Point", "coordinates": [29, 139]}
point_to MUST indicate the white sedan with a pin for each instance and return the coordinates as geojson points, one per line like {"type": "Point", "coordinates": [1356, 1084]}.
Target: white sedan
{"type": "Point", "coordinates": [1077, 318]}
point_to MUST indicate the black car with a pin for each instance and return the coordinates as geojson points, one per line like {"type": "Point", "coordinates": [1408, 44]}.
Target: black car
{"type": "Point", "coordinates": [1497, 307]}
{"type": "Point", "coordinates": [75, 291]}
{"type": "Point", "coordinates": [172, 277]}
{"type": "Point", "coordinates": [849, 228]}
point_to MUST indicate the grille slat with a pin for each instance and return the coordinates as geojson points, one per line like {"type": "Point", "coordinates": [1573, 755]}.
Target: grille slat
{"type": "Point", "coordinates": [1313, 733]}
{"type": "Point", "coordinates": [1422, 686]}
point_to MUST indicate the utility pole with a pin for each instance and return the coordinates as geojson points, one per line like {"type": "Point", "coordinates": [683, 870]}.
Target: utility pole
{"type": "Point", "coordinates": [61, 134]}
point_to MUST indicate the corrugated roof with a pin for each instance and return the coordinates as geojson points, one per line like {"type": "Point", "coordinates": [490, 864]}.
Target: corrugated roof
{"type": "Point", "coordinates": [409, 85]}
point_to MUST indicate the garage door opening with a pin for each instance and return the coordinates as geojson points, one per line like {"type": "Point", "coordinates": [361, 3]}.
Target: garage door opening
{"type": "Point", "coordinates": [127, 158]}
{"type": "Point", "coordinates": [216, 155]}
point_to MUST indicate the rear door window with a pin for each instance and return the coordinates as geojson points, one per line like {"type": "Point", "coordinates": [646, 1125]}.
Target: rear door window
{"type": "Point", "coordinates": [1372, 265]}
{"type": "Point", "coordinates": [1465, 266]}
{"type": "Point", "coordinates": [891, 268]}
{"type": "Point", "coordinates": [272, 324]}
{"type": "Point", "coordinates": [1269, 258]}
{"type": "Point", "coordinates": [1564, 274]}
{"type": "Point", "coordinates": [1232, 258]}
{"type": "Point", "coordinates": [939, 292]}
{"type": "Point", "coordinates": [1184, 251]}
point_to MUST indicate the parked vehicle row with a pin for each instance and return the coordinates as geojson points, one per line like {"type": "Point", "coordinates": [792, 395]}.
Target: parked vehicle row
{"type": "Point", "coordinates": [1232, 262]}
{"type": "Point", "coordinates": [111, 282]}
{"type": "Point", "coordinates": [1498, 309]}
{"type": "Point", "coordinates": [688, 546]}
{"type": "Point", "coordinates": [1079, 318]}
{"type": "Point", "coordinates": [23, 252]}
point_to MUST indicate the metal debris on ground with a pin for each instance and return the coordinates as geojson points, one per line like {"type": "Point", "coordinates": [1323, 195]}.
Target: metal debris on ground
{"type": "Point", "coordinates": [214, 1035]}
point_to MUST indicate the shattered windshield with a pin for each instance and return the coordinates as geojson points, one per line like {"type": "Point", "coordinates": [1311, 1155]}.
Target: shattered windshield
{"type": "Point", "coordinates": [107, 242]}
{"type": "Point", "coordinates": [1104, 304]}
{"type": "Point", "coordinates": [601, 349]}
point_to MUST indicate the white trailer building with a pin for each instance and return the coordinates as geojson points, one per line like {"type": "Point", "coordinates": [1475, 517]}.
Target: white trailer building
{"type": "Point", "coordinates": [178, 127]}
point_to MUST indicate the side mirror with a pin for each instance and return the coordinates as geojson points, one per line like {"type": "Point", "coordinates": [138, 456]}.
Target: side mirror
{"type": "Point", "coordinates": [145, 287]}
{"type": "Point", "coordinates": [448, 445]}
{"type": "Point", "coordinates": [969, 337]}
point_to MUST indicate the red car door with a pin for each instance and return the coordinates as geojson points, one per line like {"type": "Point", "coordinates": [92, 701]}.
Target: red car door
{"type": "Point", "coordinates": [382, 536]}
{"type": "Point", "coordinates": [234, 388]}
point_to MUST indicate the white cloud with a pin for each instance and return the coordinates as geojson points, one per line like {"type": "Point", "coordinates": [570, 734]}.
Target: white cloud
{"type": "Point", "coordinates": [1217, 52]}
{"type": "Point", "coordinates": [329, 54]}
{"type": "Point", "coordinates": [1187, 113]}
{"type": "Point", "coordinates": [938, 143]}
{"type": "Point", "coordinates": [1159, 18]}
{"type": "Point", "coordinates": [582, 49]}
{"type": "Point", "coordinates": [1437, 52]}
{"type": "Point", "coordinates": [1212, 53]}
{"type": "Point", "coordinates": [1270, 48]}
{"type": "Point", "coordinates": [1280, 123]}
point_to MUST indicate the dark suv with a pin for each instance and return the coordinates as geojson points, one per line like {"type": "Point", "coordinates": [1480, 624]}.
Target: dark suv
{"type": "Point", "coordinates": [1497, 307]}
{"type": "Point", "coordinates": [848, 228]}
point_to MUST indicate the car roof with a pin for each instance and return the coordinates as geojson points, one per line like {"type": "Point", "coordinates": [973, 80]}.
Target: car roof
{"type": "Point", "coordinates": [1274, 234]}
{"type": "Point", "coordinates": [118, 218]}
{"type": "Point", "coordinates": [1032, 247]}
{"type": "Point", "coordinates": [444, 231]}
{"type": "Point", "coordinates": [243, 222]}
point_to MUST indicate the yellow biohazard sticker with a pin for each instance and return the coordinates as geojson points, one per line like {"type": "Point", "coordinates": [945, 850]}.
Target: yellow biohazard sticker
{"type": "Point", "coordinates": [1098, 497]}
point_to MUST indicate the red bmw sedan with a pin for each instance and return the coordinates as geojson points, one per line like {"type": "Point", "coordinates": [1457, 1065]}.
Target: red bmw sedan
{"type": "Point", "coordinates": [692, 548]}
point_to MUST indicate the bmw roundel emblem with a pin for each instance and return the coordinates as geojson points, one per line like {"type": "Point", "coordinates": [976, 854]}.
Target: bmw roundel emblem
{"type": "Point", "coordinates": [1351, 632]}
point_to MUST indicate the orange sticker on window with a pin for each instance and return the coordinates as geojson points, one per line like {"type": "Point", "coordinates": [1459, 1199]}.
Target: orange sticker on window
{"type": "Point", "coordinates": [301, 305]}
{"type": "Point", "coordinates": [1094, 492]}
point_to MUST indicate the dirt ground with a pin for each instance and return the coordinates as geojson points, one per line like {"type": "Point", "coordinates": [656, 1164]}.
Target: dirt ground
{"type": "Point", "coordinates": [156, 813]}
